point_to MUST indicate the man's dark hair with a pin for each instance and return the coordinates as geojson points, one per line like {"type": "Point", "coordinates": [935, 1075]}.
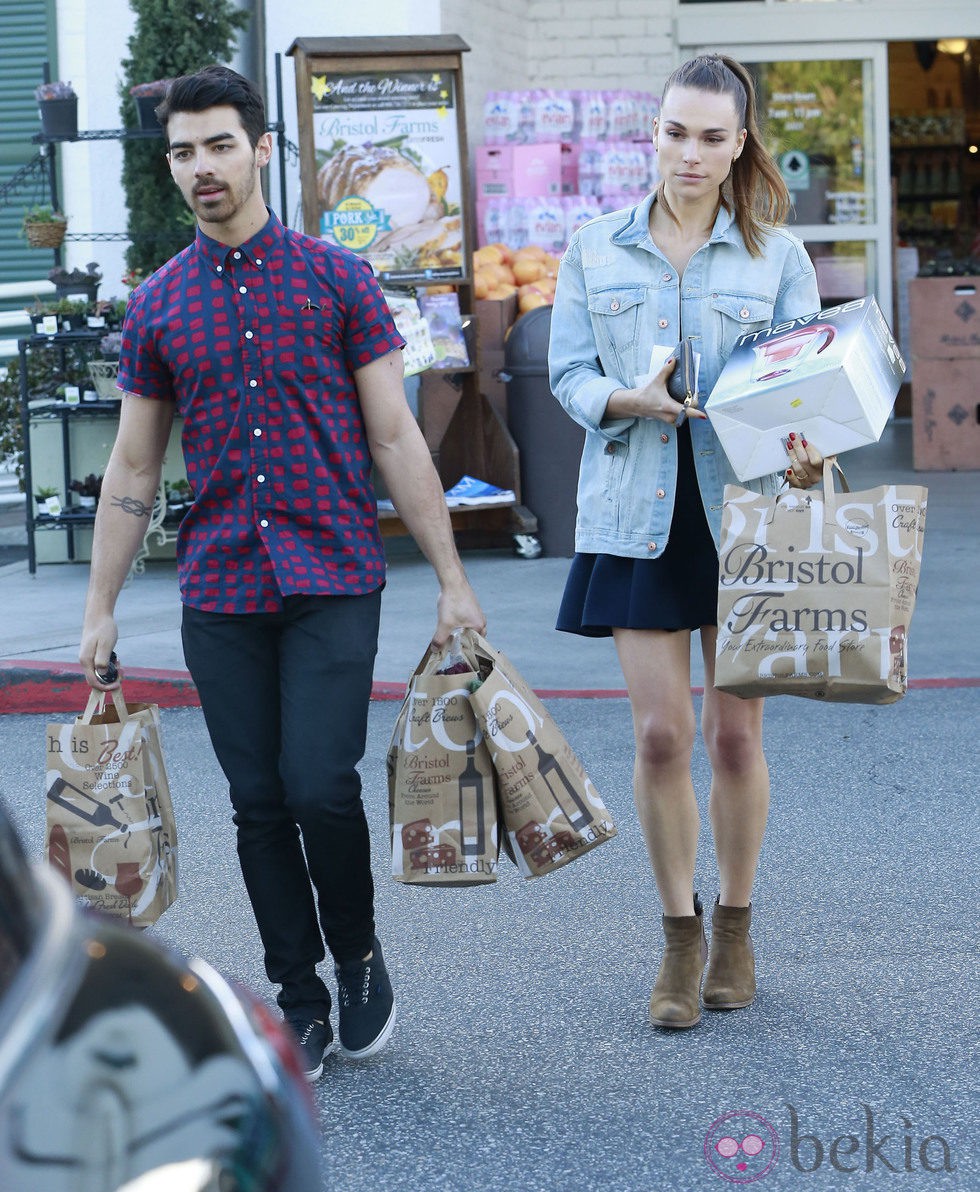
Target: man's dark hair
{"type": "Point", "coordinates": [211, 87]}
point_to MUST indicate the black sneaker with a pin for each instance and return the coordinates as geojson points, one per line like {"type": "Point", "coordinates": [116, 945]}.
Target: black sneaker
{"type": "Point", "coordinates": [315, 1041]}
{"type": "Point", "coordinates": [367, 1005]}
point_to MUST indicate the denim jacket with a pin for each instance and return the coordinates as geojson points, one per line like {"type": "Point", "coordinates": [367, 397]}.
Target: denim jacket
{"type": "Point", "coordinates": [617, 297]}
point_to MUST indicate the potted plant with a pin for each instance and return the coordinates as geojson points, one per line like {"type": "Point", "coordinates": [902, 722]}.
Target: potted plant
{"type": "Point", "coordinates": [71, 313]}
{"type": "Point", "coordinates": [179, 497]}
{"type": "Point", "coordinates": [88, 490]}
{"type": "Point", "coordinates": [58, 109]}
{"type": "Point", "coordinates": [147, 97]}
{"type": "Point", "coordinates": [76, 282]}
{"type": "Point", "coordinates": [110, 344]}
{"type": "Point", "coordinates": [105, 370]}
{"type": "Point", "coordinates": [43, 227]}
{"type": "Point", "coordinates": [47, 500]}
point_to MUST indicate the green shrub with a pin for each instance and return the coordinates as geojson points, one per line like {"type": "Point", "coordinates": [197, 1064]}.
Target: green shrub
{"type": "Point", "coordinates": [172, 37]}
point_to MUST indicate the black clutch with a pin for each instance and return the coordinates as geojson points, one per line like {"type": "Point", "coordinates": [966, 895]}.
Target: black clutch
{"type": "Point", "coordinates": [682, 384]}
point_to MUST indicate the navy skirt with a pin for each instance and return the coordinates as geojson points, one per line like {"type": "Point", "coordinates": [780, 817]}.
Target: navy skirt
{"type": "Point", "coordinates": [677, 590]}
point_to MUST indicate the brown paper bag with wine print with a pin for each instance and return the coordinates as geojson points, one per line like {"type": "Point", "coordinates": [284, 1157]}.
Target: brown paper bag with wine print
{"type": "Point", "coordinates": [816, 591]}
{"type": "Point", "coordinates": [441, 798]}
{"type": "Point", "coordinates": [110, 822]}
{"type": "Point", "coordinates": [551, 811]}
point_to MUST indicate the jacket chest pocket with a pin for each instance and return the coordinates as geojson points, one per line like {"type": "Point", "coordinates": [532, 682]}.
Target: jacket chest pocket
{"type": "Point", "coordinates": [616, 315]}
{"type": "Point", "coordinates": [734, 315]}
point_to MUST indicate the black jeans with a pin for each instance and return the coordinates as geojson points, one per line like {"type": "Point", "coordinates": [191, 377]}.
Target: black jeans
{"type": "Point", "coordinates": [285, 698]}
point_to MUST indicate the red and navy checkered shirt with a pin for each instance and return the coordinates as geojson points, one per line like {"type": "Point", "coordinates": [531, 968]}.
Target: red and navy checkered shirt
{"type": "Point", "coordinates": [257, 346]}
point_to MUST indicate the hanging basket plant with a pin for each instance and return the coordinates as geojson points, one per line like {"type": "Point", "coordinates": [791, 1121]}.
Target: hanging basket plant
{"type": "Point", "coordinates": [43, 227]}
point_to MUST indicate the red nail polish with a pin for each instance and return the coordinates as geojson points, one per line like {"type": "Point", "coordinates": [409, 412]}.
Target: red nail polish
{"type": "Point", "coordinates": [791, 436]}
{"type": "Point", "coordinates": [803, 441]}
{"type": "Point", "coordinates": [789, 471]}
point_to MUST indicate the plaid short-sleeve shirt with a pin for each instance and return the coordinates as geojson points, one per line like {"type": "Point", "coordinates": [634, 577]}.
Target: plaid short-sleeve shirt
{"type": "Point", "coordinates": [257, 346]}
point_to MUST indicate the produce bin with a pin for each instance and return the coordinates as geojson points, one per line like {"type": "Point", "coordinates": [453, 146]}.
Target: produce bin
{"type": "Point", "coordinates": [548, 440]}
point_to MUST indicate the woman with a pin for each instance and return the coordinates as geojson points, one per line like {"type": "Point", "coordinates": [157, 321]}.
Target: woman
{"type": "Point", "coordinates": [703, 257]}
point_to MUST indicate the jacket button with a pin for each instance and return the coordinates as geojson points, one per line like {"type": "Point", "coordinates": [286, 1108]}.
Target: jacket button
{"type": "Point", "coordinates": [668, 277]}
{"type": "Point", "coordinates": [743, 313]}
{"type": "Point", "coordinates": [610, 449]}
{"type": "Point", "coordinates": [661, 493]}
{"type": "Point", "coordinates": [662, 323]}
{"type": "Point", "coordinates": [614, 305]}
{"type": "Point", "coordinates": [651, 546]}
{"type": "Point", "coordinates": [665, 438]}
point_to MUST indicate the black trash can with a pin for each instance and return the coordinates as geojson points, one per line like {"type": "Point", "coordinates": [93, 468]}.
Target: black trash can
{"type": "Point", "coordinates": [549, 442]}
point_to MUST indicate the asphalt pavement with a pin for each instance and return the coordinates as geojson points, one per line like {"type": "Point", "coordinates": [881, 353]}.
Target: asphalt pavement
{"type": "Point", "coordinates": [523, 1058]}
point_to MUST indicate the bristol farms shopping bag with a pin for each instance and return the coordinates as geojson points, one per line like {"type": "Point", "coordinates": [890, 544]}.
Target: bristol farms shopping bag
{"type": "Point", "coordinates": [551, 811]}
{"type": "Point", "coordinates": [816, 591]}
{"type": "Point", "coordinates": [110, 824]}
{"type": "Point", "coordinates": [441, 797]}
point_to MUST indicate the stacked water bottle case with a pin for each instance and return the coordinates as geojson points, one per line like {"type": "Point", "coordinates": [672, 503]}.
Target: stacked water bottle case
{"type": "Point", "coordinates": [554, 159]}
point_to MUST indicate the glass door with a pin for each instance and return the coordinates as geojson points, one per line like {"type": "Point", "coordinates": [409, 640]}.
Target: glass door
{"type": "Point", "coordinates": [824, 112]}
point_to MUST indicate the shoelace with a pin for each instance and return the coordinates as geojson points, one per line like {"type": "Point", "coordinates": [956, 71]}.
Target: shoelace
{"type": "Point", "coordinates": [345, 989]}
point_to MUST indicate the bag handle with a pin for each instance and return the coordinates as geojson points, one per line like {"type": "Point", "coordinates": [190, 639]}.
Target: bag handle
{"type": "Point", "coordinates": [96, 705]}
{"type": "Point", "coordinates": [830, 464]}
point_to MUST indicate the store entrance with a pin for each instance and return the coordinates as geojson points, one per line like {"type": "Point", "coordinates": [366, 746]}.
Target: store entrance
{"type": "Point", "coordinates": [934, 127]}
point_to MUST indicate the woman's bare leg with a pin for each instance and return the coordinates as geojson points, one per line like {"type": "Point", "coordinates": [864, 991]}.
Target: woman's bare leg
{"type": "Point", "coordinates": [657, 669]}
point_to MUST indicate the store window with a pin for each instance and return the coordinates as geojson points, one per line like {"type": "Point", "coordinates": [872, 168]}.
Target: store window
{"type": "Point", "coordinates": [817, 120]}
{"type": "Point", "coordinates": [816, 117]}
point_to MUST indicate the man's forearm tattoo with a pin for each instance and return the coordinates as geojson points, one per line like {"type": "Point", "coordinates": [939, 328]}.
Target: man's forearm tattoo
{"type": "Point", "coordinates": [132, 505]}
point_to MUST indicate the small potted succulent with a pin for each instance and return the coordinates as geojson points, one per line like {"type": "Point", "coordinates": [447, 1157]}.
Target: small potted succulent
{"type": "Point", "coordinates": [88, 490]}
{"type": "Point", "coordinates": [57, 105]}
{"type": "Point", "coordinates": [43, 227]}
{"type": "Point", "coordinates": [147, 97]}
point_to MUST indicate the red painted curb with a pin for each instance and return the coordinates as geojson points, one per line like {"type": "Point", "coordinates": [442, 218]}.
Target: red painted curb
{"type": "Point", "coordinates": [42, 687]}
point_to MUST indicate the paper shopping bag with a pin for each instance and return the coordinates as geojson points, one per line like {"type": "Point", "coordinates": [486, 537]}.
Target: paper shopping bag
{"type": "Point", "coordinates": [816, 591]}
{"type": "Point", "coordinates": [110, 822]}
{"type": "Point", "coordinates": [551, 811]}
{"type": "Point", "coordinates": [441, 798]}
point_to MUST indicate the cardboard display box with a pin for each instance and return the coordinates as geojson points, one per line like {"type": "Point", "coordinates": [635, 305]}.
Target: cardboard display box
{"type": "Point", "coordinates": [946, 415]}
{"type": "Point", "coordinates": [518, 170]}
{"type": "Point", "coordinates": [944, 318]}
{"type": "Point", "coordinates": [831, 376]}
{"type": "Point", "coordinates": [494, 318]}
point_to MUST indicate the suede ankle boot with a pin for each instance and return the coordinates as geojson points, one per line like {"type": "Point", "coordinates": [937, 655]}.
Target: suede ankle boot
{"type": "Point", "coordinates": [675, 1001]}
{"type": "Point", "coordinates": [729, 983]}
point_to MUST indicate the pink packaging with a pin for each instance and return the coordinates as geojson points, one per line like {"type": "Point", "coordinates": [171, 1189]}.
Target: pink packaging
{"type": "Point", "coordinates": [571, 152]}
{"type": "Point", "coordinates": [501, 117]}
{"type": "Point", "coordinates": [545, 219]}
{"type": "Point", "coordinates": [554, 116]}
{"type": "Point", "coordinates": [518, 170]}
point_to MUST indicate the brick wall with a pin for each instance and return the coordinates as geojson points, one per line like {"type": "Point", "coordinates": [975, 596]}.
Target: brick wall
{"type": "Point", "coordinates": [613, 43]}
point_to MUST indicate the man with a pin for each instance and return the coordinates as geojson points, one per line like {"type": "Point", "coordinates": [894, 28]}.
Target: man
{"type": "Point", "coordinates": [280, 354]}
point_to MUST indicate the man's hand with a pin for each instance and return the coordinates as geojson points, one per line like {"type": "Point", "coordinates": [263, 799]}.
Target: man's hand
{"type": "Point", "coordinates": [97, 653]}
{"type": "Point", "coordinates": [457, 607]}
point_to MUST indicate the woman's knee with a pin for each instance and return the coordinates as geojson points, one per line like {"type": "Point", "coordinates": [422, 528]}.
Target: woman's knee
{"type": "Point", "coordinates": [664, 741]}
{"type": "Point", "coordinates": [734, 747]}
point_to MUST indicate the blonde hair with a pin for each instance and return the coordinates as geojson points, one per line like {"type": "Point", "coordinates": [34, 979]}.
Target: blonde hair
{"type": "Point", "coordinates": [754, 190]}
